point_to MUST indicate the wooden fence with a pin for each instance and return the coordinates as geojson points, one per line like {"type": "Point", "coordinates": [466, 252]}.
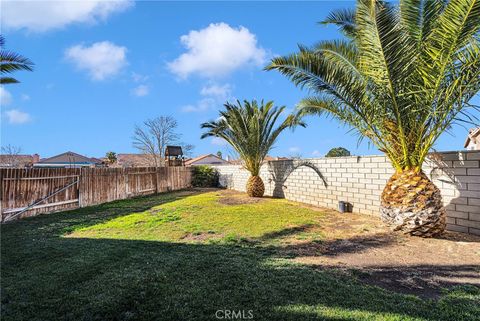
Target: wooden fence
{"type": "Point", "coordinates": [29, 192]}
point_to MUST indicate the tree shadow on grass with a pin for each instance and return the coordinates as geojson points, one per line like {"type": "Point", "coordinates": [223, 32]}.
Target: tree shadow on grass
{"type": "Point", "coordinates": [425, 281]}
{"type": "Point", "coordinates": [48, 277]}
{"type": "Point", "coordinates": [101, 279]}
{"type": "Point", "coordinates": [336, 247]}
{"type": "Point", "coordinates": [286, 232]}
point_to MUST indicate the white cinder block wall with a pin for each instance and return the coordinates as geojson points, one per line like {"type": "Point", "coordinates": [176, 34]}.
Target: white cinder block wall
{"type": "Point", "coordinates": [361, 179]}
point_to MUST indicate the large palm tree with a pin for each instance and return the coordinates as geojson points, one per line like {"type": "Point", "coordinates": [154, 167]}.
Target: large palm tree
{"type": "Point", "coordinates": [401, 77]}
{"type": "Point", "coordinates": [10, 62]}
{"type": "Point", "coordinates": [250, 130]}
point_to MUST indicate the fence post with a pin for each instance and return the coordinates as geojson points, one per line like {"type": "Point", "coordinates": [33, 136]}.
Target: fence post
{"type": "Point", "coordinates": [2, 172]}
{"type": "Point", "coordinates": [79, 189]}
{"type": "Point", "coordinates": [126, 182]}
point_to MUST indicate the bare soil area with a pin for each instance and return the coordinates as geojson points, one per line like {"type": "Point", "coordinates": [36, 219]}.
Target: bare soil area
{"type": "Point", "coordinates": [363, 246]}
{"type": "Point", "coordinates": [230, 197]}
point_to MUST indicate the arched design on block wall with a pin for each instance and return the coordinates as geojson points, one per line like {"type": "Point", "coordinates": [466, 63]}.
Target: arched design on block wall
{"type": "Point", "coordinates": [281, 170]}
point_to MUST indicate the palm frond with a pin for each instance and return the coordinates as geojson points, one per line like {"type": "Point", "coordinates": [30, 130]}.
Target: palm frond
{"type": "Point", "coordinates": [11, 62]}
{"type": "Point", "coordinates": [8, 80]}
{"type": "Point", "coordinates": [344, 19]}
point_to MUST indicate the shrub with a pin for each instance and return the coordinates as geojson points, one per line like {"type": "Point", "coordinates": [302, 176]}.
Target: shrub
{"type": "Point", "coordinates": [205, 176]}
{"type": "Point", "coordinates": [338, 152]}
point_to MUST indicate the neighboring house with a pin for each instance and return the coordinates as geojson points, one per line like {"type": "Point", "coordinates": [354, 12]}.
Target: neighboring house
{"type": "Point", "coordinates": [473, 139]}
{"type": "Point", "coordinates": [269, 158]}
{"type": "Point", "coordinates": [209, 159]}
{"type": "Point", "coordinates": [18, 161]}
{"type": "Point", "coordinates": [133, 160]}
{"type": "Point", "coordinates": [69, 160]}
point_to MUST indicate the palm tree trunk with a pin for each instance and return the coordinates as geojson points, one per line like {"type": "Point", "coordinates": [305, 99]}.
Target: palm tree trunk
{"type": "Point", "coordinates": [255, 186]}
{"type": "Point", "coordinates": [411, 203]}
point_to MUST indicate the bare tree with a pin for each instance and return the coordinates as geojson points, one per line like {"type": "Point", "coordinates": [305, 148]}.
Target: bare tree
{"type": "Point", "coordinates": [153, 136]}
{"type": "Point", "coordinates": [10, 154]}
{"type": "Point", "coordinates": [187, 149]}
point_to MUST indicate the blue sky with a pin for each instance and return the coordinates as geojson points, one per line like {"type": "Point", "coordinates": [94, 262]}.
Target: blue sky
{"type": "Point", "coordinates": [102, 67]}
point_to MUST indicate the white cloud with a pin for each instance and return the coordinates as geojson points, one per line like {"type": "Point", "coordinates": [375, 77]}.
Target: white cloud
{"type": "Point", "coordinates": [217, 91]}
{"type": "Point", "coordinates": [40, 16]}
{"type": "Point", "coordinates": [141, 90]}
{"type": "Point", "coordinates": [214, 95]}
{"type": "Point", "coordinates": [139, 77]}
{"type": "Point", "coordinates": [101, 60]}
{"type": "Point", "coordinates": [201, 105]}
{"type": "Point", "coordinates": [316, 153]}
{"type": "Point", "coordinates": [216, 51]}
{"type": "Point", "coordinates": [25, 97]}
{"type": "Point", "coordinates": [16, 116]}
{"type": "Point", "coordinates": [217, 141]}
{"type": "Point", "coordinates": [294, 149]}
{"type": "Point", "coordinates": [189, 108]}
{"type": "Point", "coordinates": [5, 97]}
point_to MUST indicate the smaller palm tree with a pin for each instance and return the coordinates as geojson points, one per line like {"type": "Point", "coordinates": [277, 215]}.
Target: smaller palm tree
{"type": "Point", "coordinates": [111, 157]}
{"type": "Point", "coordinates": [10, 62]}
{"type": "Point", "coordinates": [250, 130]}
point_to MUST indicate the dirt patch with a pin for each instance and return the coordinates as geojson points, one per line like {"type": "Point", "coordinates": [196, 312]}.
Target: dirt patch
{"type": "Point", "coordinates": [201, 237]}
{"type": "Point", "coordinates": [363, 246]}
{"type": "Point", "coordinates": [425, 281]}
{"type": "Point", "coordinates": [156, 211]}
{"type": "Point", "coordinates": [230, 197]}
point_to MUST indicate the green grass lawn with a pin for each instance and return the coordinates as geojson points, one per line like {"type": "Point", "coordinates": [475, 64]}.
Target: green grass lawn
{"type": "Point", "coordinates": [185, 255]}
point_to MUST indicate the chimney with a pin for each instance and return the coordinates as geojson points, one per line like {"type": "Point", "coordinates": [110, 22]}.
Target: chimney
{"type": "Point", "coordinates": [35, 158]}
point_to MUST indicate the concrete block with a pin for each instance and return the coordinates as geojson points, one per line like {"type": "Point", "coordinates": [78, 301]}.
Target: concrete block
{"type": "Point", "coordinates": [467, 179]}
{"type": "Point", "coordinates": [473, 171]}
{"type": "Point", "coordinates": [457, 228]}
{"type": "Point", "coordinates": [457, 214]}
{"type": "Point", "coordinates": [473, 156]}
{"type": "Point", "coordinates": [474, 201]}
{"type": "Point", "coordinates": [474, 231]}
{"type": "Point", "coordinates": [474, 217]}
{"type": "Point", "coordinates": [468, 223]}
{"type": "Point", "coordinates": [466, 164]}
{"type": "Point", "coordinates": [467, 208]}
{"type": "Point", "coordinates": [473, 186]}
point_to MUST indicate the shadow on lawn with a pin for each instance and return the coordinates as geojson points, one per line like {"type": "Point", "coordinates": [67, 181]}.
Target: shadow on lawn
{"type": "Point", "coordinates": [102, 279]}
{"type": "Point", "coordinates": [426, 281]}
{"type": "Point", "coordinates": [98, 279]}
{"type": "Point", "coordinates": [337, 247]}
{"type": "Point", "coordinates": [285, 232]}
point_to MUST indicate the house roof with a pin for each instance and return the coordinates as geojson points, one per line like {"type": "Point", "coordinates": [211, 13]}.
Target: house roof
{"type": "Point", "coordinates": [97, 160]}
{"type": "Point", "coordinates": [69, 158]}
{"type": "Point", "coordinates": [269, 158]}
{"type": "Point", "coordinates": [134, 160]}
{"type": "Point", "coordinates": [173, 151]}
{"type": "Point", "coordinates": [18, 160]}
{"type": "Point", "coordinates": [472, 133]}
{"type": "Point", "coordinates": [199, 158]}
